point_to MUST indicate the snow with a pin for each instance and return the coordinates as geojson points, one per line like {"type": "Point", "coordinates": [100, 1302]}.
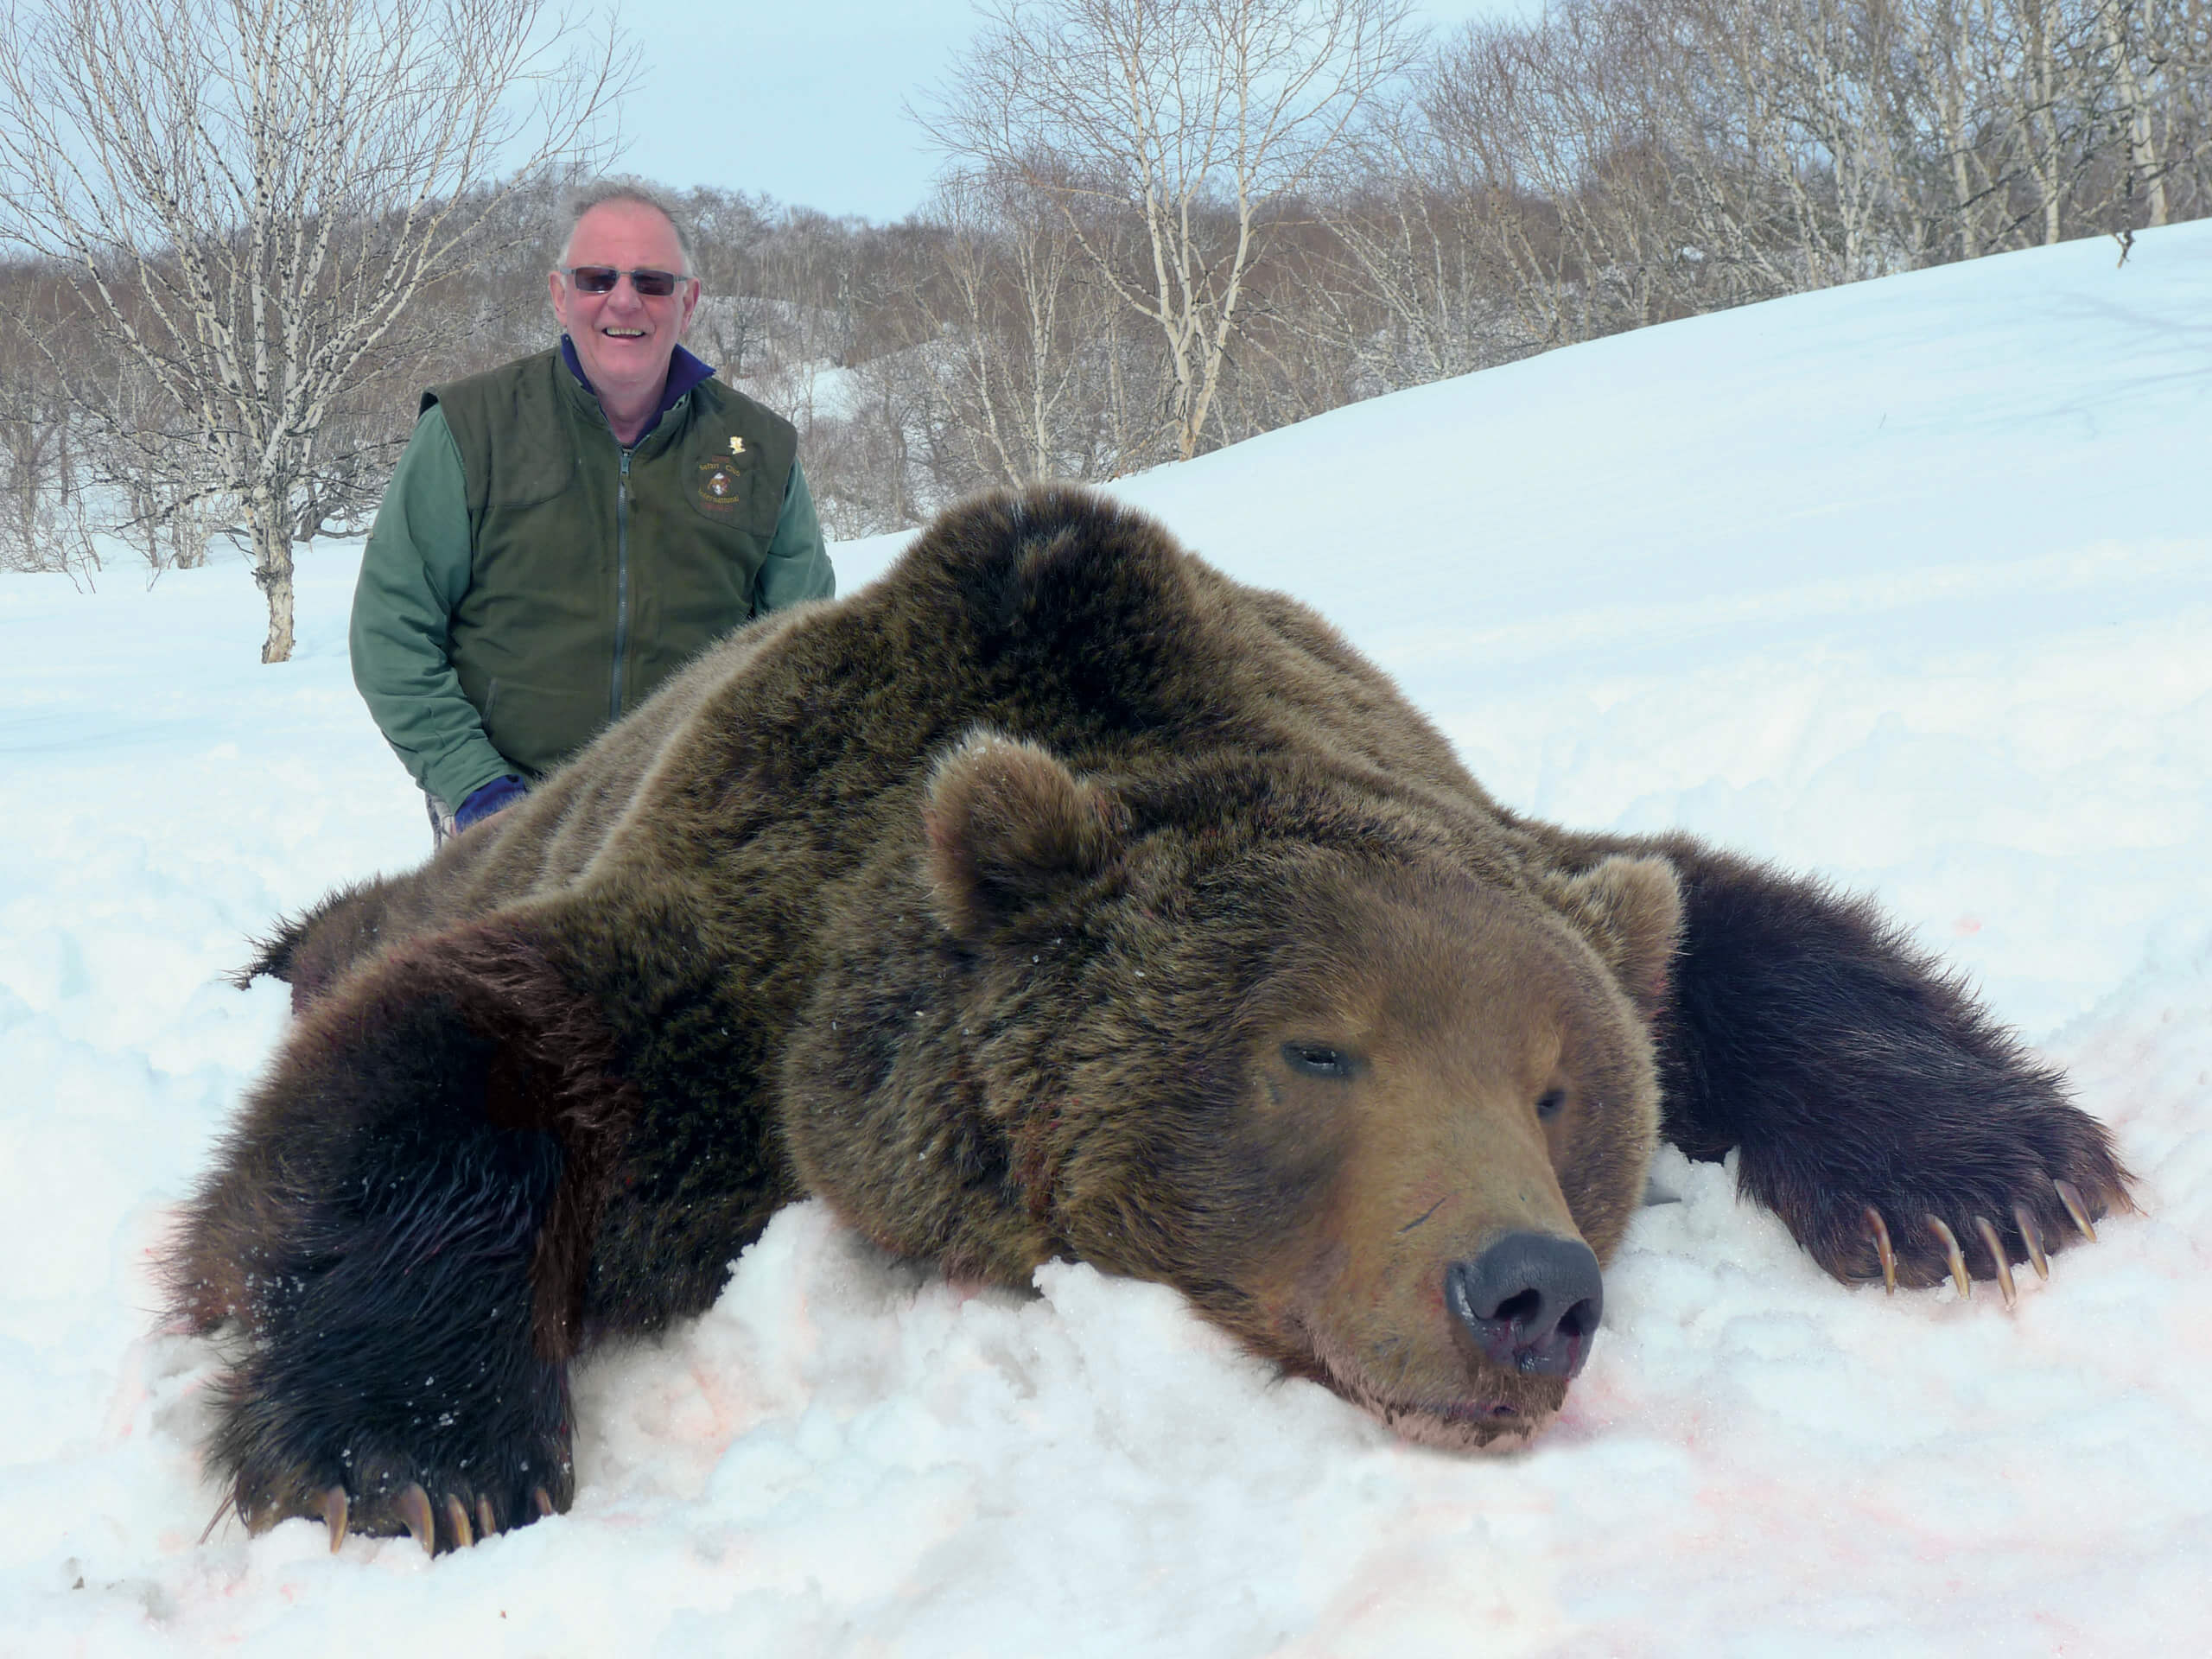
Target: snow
{"type": "Point", "coordinates": [1909, 583]}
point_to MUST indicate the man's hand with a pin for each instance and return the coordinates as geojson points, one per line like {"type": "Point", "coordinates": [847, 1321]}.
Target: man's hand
{"type": "Point", "coordinates": [498, 794]}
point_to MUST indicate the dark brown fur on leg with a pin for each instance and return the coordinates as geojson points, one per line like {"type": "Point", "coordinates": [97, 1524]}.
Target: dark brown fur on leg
{"type": "Point", "coordinates": [398, 1231]}
{"type": "Point", "coordinates": [1854, 1074]}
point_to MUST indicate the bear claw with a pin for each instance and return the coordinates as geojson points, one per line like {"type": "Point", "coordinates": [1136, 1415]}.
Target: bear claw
{"type": "Point", "coordinates": [1950, 1240]}
{"type": "Point", "coordinates": [544, 1504]}
{"type": "Point", "coordinates": [334, 1506]}
{"type": "Point", "coordinates": [2033, 1235]}
{"type": "Point", "coordinates": [2070, 1196]}
{"type": "Point", "coordinates": [487, 1521]}
{"type": "Point", "coordinates": [1997, 1254]}
{"type": "Point", "coordinates": [1880, 1230]}
{"type": "Point", "coordinates": [415, 1512]}
{"type": "Point", "coordinates": [457, 1523]}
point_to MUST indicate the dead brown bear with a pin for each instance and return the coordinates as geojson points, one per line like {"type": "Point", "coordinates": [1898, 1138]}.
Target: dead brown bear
{"type": "Point", "coordinates": [1054, 896]}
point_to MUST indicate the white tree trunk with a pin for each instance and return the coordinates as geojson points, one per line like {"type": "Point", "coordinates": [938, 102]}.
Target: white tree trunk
{"type": "Point", "coordinates": [272, 574]}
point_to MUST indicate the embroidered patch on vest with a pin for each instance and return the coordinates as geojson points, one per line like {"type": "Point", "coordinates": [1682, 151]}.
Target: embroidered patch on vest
{"type": "Point", "coordinates": [719, 483]}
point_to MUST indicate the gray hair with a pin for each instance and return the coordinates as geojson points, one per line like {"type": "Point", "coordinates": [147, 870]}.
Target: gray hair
{"type": "Point", "coordinates": [622, 188]}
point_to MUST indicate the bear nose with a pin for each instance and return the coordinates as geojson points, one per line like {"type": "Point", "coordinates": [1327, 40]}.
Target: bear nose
{"type": "Point", "coordinates": [1531, 1302]}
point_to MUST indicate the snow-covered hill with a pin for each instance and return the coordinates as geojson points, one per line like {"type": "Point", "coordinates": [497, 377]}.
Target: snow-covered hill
{"type": "Point", "coordinates": [1909, 582]}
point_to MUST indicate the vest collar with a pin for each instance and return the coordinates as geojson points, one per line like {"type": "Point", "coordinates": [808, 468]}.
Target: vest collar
{"type": "Point", "coordinates": [685, 372]}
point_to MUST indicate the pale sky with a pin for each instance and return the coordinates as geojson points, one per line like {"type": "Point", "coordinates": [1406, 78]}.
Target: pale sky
{"type": "Point", "coordinates": [804, 100]}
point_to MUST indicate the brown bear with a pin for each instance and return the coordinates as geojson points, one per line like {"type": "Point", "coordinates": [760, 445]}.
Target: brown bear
{"type": "Point", "coordinates": [1053, 896]}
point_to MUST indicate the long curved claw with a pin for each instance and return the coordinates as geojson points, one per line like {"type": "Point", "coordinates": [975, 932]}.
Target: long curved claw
{"type": "Point", "coordinates": [1950, 1242]}
{"type": "Point", "coordinates": [457, 1523]}
{"type": "Point", "coordinates": [1879, 1230]}
{"type": "Point", "coordinates": [415, 1511]}
{"type": "Point", "coordinates": [487, 1520]}
{"type": "Point", "coordinates": [334, 1507]}
{"type": "Point", "coordinates": [2070, 1196]}
{"type": "Point", "coordinates": [2033, 1234]}
{"type": "Point", "coordinates": [1997, 1254]}
{"type": "Point", "coordinates": [544, 1504]}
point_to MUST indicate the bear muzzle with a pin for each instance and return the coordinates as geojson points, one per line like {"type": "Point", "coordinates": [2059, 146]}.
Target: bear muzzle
{"type": "Point", "coordinates": [1529, 1303]}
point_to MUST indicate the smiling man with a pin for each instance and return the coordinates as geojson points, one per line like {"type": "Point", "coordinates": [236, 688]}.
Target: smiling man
{"type": "Point", "coordinates": [564, 532]}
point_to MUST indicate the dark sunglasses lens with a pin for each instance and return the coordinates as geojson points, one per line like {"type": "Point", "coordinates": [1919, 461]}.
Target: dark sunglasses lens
{"type": "Point", "coordinates": [600, 279]}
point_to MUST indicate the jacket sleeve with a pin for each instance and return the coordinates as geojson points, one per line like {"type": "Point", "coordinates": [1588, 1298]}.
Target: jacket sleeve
{"type": "Point", "coordinates": [797, 565]}
{"type": "Point", "coordinates": [414, 572]}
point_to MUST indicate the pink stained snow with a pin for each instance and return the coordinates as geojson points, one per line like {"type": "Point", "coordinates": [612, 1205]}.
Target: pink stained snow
{"type": "Point", "coordinates": [1909, 583]}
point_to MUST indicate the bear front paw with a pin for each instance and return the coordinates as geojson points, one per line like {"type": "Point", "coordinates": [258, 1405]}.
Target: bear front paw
{"type": "Point", "coordinates": [442, 1422]}
{"type": "Point", "coordinates": [443, 1498]}
{"type": "Point", "coordinates": [1996, 1246]}
{"type": "Point", "coordinates": [1967, 1208]}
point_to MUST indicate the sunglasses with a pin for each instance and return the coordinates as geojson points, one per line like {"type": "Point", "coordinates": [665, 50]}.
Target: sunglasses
{"type": "Point", "coordinates": [600, 279]}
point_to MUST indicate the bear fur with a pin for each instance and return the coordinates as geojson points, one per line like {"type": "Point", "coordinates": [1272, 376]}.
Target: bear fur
{"type": "Point", "coordinates": [1053, 896]}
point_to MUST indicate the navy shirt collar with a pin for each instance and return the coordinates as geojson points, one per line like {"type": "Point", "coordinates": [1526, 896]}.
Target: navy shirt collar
{"type": "Point", "coordinates": [684, 371]}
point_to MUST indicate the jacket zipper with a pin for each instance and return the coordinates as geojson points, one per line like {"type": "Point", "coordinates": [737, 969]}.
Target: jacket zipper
{"type": "Point", "coordinates": [621, 589]}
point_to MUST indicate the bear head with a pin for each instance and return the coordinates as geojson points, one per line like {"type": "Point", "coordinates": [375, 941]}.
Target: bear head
{"type": "Point", "coordinates": [1376, 1096]}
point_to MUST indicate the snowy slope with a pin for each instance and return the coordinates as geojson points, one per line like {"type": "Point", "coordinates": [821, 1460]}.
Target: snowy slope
{"type": "Point", "coordinates": [1909, 582]}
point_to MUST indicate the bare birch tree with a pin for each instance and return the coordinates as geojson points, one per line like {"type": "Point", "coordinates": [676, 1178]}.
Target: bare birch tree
{"type": "Point", "coordinates": [1191, 117]}
{"type": "Point", "coordinates": [1557, 128]}
{"type": "Point", "coordinates": [1018, 328]}
{"type": "Point", "coordinates": [2159, 59]}
{"type": "Point", "coordinates": [37, 468]}
{"type": "Point", "coordinates": [252, 191]}
{"type": "Point", "coordinates": [1410, 284]}
{"type": "Point", "coordinates": [2043, 52]}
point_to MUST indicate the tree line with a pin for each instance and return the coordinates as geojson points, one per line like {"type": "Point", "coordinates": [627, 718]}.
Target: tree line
{"type": "Point", "coordinates": [1165, 225]}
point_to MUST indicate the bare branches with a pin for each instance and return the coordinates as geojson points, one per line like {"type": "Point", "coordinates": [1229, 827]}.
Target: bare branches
{"type": "Point", "coordinates": [1187, 120]}
{"type": "Point", "coordinates": [1021, 322]}
{"type": "Point", "coordinates": [1652, 157]}
{"type": "Point", "coordinates": [252, 191]}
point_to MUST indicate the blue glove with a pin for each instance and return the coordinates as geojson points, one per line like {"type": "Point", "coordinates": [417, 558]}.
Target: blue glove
{"type": "Point", "coordinates": [483, 803]}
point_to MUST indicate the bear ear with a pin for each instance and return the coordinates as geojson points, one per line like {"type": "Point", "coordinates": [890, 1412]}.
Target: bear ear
{"type": "Point", "coordinates": [1007, 825]}
{"type": "Point", "coordinates": [1632, 911]}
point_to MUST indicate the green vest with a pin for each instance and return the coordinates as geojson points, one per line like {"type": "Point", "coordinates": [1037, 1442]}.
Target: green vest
{"type": "Point", "coordinates": [597, 573]}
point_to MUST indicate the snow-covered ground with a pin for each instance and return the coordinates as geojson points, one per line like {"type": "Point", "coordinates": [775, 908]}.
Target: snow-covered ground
{"type": "Point", "coordinates": [1909, 582]}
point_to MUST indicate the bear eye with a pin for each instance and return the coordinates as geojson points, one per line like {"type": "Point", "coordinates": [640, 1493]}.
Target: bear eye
{"type": "Point", "coordinates": [1317, 1060]}
{"type": "Point", "coordinates": [1548, 1102]}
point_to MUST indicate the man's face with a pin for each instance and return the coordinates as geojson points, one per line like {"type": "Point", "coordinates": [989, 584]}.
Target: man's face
{"type": "Point", "coordinates": [624, 339]}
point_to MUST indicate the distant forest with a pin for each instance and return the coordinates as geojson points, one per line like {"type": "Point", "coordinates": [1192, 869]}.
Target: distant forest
{"type": "Point", "coordinates": [1079, 301]}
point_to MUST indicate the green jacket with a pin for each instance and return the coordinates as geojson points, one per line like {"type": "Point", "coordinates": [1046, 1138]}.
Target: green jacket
{"type": "Point", "coordinates": [527, 581]}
